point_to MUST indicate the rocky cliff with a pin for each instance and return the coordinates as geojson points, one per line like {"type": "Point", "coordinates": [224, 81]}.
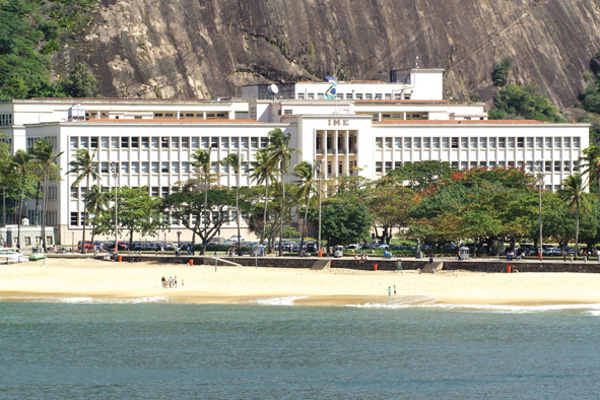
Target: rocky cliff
{"type": "Point", "coordinates": [205, 48]}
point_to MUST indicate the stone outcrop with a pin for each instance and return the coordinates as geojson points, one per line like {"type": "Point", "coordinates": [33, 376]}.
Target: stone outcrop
{"type": "Point", "coordinates": [205, 48]}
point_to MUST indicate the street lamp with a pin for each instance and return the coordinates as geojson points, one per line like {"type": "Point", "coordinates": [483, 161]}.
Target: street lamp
{"type": "Point", "coordinates": [540, 179]}
{"type": "Point", "coordinates": [318, 168]}
{"type": "Point", "coordinates": [115, 171]}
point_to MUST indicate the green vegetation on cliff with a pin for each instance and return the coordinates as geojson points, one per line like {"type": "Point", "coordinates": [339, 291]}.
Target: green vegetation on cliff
{"type": "Point", "coordinates": [30, 32]}
{"type": "Point", "coordinates": [515, 102]}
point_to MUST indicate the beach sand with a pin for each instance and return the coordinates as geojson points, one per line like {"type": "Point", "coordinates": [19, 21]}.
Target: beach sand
{"type": "Point", "coordinates": [104, 280]}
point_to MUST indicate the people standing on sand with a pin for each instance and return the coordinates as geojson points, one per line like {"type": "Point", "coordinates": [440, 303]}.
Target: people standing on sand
{"type": "Point", "coordinates": [389, 291]}
{"type": "Point", "coordinates": [162, 281]}
{"type": "Point", "coordinates": [394, 290]}
{"type": "Point", "coordinates": [175, 281]}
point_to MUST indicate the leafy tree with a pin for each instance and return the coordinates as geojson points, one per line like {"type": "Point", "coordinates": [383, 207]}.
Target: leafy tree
{"type": "Point", "coordinates": [137, 211]}
{"type": "Point", "coordinates": [422, 174]}
{"type": "Point", "coordinates": [97, 202]}
{"type": "Point", "coordinates": [80, 82]}
{"type": "Point", "coordinates": [573, 194]}
{"type": "Point", "coordinates": [514, 101]}
{"type": "Point", "coordinates": [202, 164]}
{"type": "Point", "coordinates": [305, 173]}
{"type": "Point", "coordinates": [264, 172]}
{"type": "Point", "coordinates": [343, 222]}
{"type": "Point", "coordinates": [591, 166]}
{"type": "Point", "coordinates": [190, 207]}
{"type": "Point", "coordinates": [9, 179]}
{"type": "Point", "coordinates": [235, 162]}
{"type": "Point", "coordinates": [22, 161]}
{"type": "Point", "coordinates": [501, 72]}
{"type": "Point", "coordinates": [84, 165]}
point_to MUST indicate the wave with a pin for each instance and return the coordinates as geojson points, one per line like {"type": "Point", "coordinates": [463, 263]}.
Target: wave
{"type": "Point", "coordinates": [88, 300]}
{"type": "Point", "coordinates": [278, 301]}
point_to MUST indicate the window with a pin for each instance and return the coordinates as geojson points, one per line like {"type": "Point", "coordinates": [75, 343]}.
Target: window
{"type": "Point", "coordinates": [388, 142]}
{"type": "Point", "coordinates": [576, 142]}
{"type": "Point", "coordinates": [493, 143]}
{"type": "Point", "coordinates": [397, 164]}
{"type": "Point", "coordinates": [185, 167]}
{"type": "Point", "coordinates": [244, 143]}
{"type": "Point", "coordinates": [254, 142]}
{"type": "Point", "coordinates": [225, 143]}
{"type": "Point", "coordinates": [74, 193]}
{"type": "Point", "coordinates": [264, 142]}
{"type": "Point", "coordinates": [104, 167]}
{"type": "Point", "coordinates": [557, 166]}
{"type": "Point", "coordinates": [185, 143]}
{"type": "Point", "coordinates": [74, 218]}
{"type": "Point", "coordinates": [502, 143]}
{"type": "Point", "coordinates": [464, 143]}
{"type": "Point", "coordinates": [225, 168]}
{"type": "Point", "coordinates": [548, 142]}
{"type": "Point", "coordinates": [530, 143]}
{"type": "Point", "coordinates": [145, 143]}
{"type": "Point", "coordinates": [359, 96]}
{"type": "Point", "coordinates": [289, 110]}
{"type": "Point", "coordinates": [135, 142]}
{"type": "Point", "coordinates": [378, 96]}
{"type": "Point", "coordinates": [175, 167]}
{"type": "Point", "coordinates": [311, 95]}
{"type": "Point", "coordinates": [455, 143]}
{"type": "Point", "coordinates": [135, 167]}
{"type": "Point", "coordinates": [155, 167]}
{"type": "Point", "coordinates": [300, 96]}
{"type": "Point", "coordinates": [548, 166]}
{"type": "Point", "coordinates": [378, 167]}
{"type": "Point", "coordinates": [557, 142]}
{"type": "Point", "coordinates": [539, 142]}
{"type": "Point", "coordinates": [164, 192]}
{"type": "Point", "coordinates": [407, 143]}
{"type": "Point", "coordinates": [235, 143]}
{"type": "Point", "coordinates": [474, 142]}
{"type": "Point", "coordinates": [164, 143]}
{"type": "Point", "coordinates": [154, 191]}
{"type": "Point", "coordinates": [214, 142]}
{"type": "Point", "coordinates": [340, 168]}
{"type": "Point", "coordinates": [436, 142]}
{"type": "Point", "coordinates": [348, 96]}
{"type": "Point", "coordinates": [94, 142]}
{"type": "Point", "coordinates": [417, 142]}
{"type": "Point", "coordinates": [73, 142]}
{"type": "Point", "coordinates": [164, 167]}
{"type": "Point", "coordinates": [104, 142]}
{"type": "Point", "coordinates": [511, 142]}
{"type": "Point", "coordinates": [379, 143]}
{"type": "Point", "coordinates": [84, 142]}
{"type": "Point", "coordinates": [463, 165]}
{"type": "Point", "coordinates": [483, 143]}
{"type": "Point", "coordinates": [520, 142]}
{"type": "Point", "coordinates": [195, 143]}
{"type": "Point", "coordinates": [155, 142]}
{"type": "Point", "coordinates": [426, 143]}
{"type": "Point", "coordinates": [398, 142]}
{"type": "Point", "coordinates": [567, 142]}
{"type": "Point", "coordinates": [145, 168]}
{"type": "Point", "coordinates": [125, 142]}
{"type": "Point", "coordinates": [454, 164]}
{"type": "Point", "coordinates": [567, 166]}
{"type": "Point", "coordinates": [368, 96]}
{"type": "Point", "coordinates": [124, 167]}
{"type": "Point", "coordinates": [529, 167]}
{"type": "Point", "coordinates": [388, 166]}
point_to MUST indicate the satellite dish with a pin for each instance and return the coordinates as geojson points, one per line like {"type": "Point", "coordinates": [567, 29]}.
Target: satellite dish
{"type": "Point", "coordinates": [273, 89]}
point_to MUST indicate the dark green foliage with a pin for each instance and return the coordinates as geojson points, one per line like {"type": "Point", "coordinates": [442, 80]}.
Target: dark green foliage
{"type": "Point", "coordinates": [79, 83]}
{"type": "Point", "coordinates": [513, 101]}
{"type": "Point", "coordinates": [501, 72]}
{"type": "Point", "coordinates": [343, 222]}
{"type": "Point", "coordinates": [590, 99]}
{"type": "Point", "coordinates": [422, 174]}
{"type": "Point", "coordinates": [30, 30]}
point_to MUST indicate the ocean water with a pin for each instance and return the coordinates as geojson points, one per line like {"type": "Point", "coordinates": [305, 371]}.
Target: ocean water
{"type": "Point", "coordinates": [149, 349]}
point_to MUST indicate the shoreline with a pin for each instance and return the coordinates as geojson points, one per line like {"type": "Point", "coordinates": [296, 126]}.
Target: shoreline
{"type": "Point", "coordinates": [102, 281]}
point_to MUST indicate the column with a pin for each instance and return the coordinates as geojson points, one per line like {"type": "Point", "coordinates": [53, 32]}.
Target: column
{"type": "Point", "coordinates": [347, 155]}
{"type": "Point", "coordinates": [334, 163]}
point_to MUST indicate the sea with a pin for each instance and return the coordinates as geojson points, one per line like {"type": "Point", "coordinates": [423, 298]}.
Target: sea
{"type": "Point", "coordinates": [80, 348]}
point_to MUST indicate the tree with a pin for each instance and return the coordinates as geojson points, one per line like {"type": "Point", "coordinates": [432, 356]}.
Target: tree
{"type": "Point", "coordinates": [515, 101]}
{"type": "Point", "coordinates": [280, 153]}
{"type": "Point", "coordinates": [235, 162]}
{"type": "Point", "coordinates": [189, 206]}
{"type": "Point", "coordinates": [22, 161]}
{"type": "Point", "coordinates": [264, 171]}
{"type": "Point", "coordinates": [79, 83]}
{"type": "Point", "coordinates": [572, 193]}
{"type": "Point", "coordinates": [501, 72]}
{"type": "Point", "coordinates": [97, 202]}
{"type": "Point", "coordinates": [8, 179]}
{"type": "Point", "coordinates": [202, 163]}
{"type": "Point", "coordinates": [137, 212]}
{"type": "Point", "coordinates": [591, 167]}
{"type": "Point", "coordinates": [306, 187]}
{"type": "Point", "coordinates": [43, 153]}
{"type": "Point", "coordinates": [343, 222]}
{"type": "Point", "coordinates": [84, 165]}
{"type": "Point", "coordinates": [421, 175]}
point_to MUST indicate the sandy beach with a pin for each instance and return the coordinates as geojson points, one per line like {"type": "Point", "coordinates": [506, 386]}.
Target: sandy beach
{"type": "Point", "coordinates": [63, 278]}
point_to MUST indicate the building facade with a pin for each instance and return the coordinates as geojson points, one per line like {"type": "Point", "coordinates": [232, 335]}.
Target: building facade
{"type": "Point", "coordinates": [369, 129]}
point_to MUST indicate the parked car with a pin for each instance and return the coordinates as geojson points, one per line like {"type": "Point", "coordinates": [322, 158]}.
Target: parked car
{"type": "Point", "coordinates": [88, 245]}
{"type": "Point", "coordinates": [355, 246]}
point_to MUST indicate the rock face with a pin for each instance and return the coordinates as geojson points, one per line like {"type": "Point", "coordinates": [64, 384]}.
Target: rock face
{"type": "Point", "coordinates": [205, 48]}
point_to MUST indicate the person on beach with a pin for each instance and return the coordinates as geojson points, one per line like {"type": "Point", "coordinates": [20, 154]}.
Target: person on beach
{"type": "Point", "coordinates": [175, 281]}
{"type": "Point", "coordinates": [389, 291]}
{"type": "Point", "coordinates": [162, 281]}
{"type": "Point", "coordinates": [394, 290]}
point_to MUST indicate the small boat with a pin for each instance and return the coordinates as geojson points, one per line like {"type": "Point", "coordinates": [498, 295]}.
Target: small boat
{"type": "Point", "coordinates": [11, 255]}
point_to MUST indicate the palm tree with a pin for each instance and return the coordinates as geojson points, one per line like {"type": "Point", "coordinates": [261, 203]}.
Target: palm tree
{"type": "Point", "coordinates": [591, 160]}
{"type": "Point", "coordinates": [306, 187]}
{"type": "Point", "coordinates": [96, 201]}
{"type": "Point", "coordinates": [203, 166]}
{"type": "Point", "coordinates": [43, 152]}
{"type": "Point", "coordinates": [573, 194]}
{"type": "Point", "coordinates": [264, 171]}
{"type": "Point", "coordinates": [280, 153]}
{"type": "Point", "coordinates": [22, 162]}
{"type": "Point", "coordinates": [84, 165]}
{"type": "Point", "coordinates": [235, 162]}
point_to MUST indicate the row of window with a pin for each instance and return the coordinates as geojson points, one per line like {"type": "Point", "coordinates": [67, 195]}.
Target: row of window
{"type": "Point", "coordinates": [6, 119]}
{"type": "Point", "coordinates": [76, 218]}
{"type": "Point", "coordinates": [357, 96]}
{"type": "Point", "coordinates": [382, 167]}
{"type": "Point", "coordinates": [477, 142]}
{"type": "Point", "coordinates": [164, 115]}
{"type": "Point", "coordinates": [161, 167]}
{"type": "Point", "coordinates": [126, 142]}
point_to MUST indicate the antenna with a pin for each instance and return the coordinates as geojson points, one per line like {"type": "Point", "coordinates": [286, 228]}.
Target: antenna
{"type": "Point", "coordinates": [417, 62]}
{"type": "Point", "coordinates": [273, 90]}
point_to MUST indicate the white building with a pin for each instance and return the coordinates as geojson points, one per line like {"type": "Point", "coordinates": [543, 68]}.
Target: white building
{"type": "Point", "coordinates": [369, 129]}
